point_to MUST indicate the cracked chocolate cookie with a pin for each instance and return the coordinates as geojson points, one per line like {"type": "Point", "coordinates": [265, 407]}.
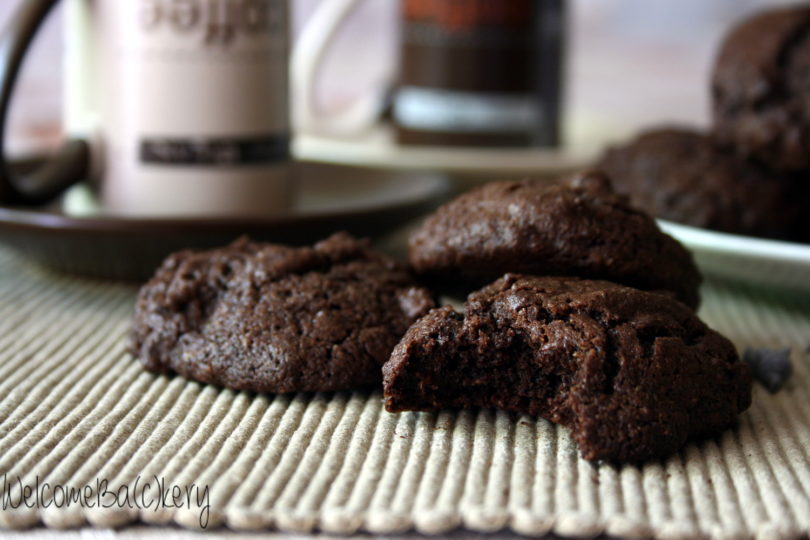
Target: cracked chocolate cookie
{"type": "Point", "coordinates": [273, 318]}
{"type": "Point", "coordinates": [760, 88]}
{"type": "Point", "coordinates": [578, 227]}
{"type": "Point", "coordinates": [632, 374]}
{"type": "Point", "coordinates": [685, 176]}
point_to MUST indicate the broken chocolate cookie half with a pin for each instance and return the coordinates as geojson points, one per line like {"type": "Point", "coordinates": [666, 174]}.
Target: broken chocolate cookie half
{"type": "Point", "coordinates": [633, 374]}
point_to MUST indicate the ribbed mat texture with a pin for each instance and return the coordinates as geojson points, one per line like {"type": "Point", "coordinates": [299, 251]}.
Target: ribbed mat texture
{"type": "Point", "coordinates": [86, 436]}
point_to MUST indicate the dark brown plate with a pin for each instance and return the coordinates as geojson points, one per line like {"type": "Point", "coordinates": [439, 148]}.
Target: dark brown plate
{"type": "Point", "coordinates": [364, 202]}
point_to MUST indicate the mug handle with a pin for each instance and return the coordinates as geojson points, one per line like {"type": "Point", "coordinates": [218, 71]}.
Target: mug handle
{"type": "Point", "coordinates": [71, 161]}
{"type": "Point", "coordinates": [305, 63]}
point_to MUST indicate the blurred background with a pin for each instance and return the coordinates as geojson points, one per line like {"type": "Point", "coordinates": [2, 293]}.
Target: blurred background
{"type": "Point", "coordinates": [630, 63]}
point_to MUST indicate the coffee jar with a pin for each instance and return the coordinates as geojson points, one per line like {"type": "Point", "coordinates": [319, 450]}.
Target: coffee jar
{"type": "Point", "coordinates": [480, 72]}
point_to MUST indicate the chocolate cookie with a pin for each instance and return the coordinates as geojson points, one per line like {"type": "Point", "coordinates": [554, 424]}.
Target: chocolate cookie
{"type": "Point", "coordinates": [632, 374]}
{"type": "Point", "coordinates": [273, 318]}
{"type": "Point", "coordinates": [760, 88]}
{"type": "Point", "coordinates": [685, 176]}
{"type": "Point", "coordinates": [578, 227]}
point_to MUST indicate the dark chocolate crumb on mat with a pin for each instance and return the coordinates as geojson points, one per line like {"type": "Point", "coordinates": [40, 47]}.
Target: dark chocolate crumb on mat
{"type": "Point", "coordinates": [770, 367]}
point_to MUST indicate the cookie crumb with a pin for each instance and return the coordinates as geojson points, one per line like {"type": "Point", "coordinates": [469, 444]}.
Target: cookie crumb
{"type": "Point", "coordinates": [770, 367]}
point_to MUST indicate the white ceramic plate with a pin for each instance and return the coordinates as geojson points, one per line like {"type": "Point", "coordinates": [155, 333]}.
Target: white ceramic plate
{"type": "Point", "coordinates": [378, 149]}
{"type": "Point", "coordinates": [768, 263]}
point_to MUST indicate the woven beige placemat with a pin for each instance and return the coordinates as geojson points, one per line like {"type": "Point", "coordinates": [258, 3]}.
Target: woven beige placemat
{"type": "Point", "coordinates": [86, 436]}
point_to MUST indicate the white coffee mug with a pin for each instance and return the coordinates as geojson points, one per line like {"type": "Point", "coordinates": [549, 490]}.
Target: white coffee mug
{"type": "Point", "coordinates": [172, 107]}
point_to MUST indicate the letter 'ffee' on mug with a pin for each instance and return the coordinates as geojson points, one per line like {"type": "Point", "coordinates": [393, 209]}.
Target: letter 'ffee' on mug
{"type": "Point", "coordinates": [172, 107]}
